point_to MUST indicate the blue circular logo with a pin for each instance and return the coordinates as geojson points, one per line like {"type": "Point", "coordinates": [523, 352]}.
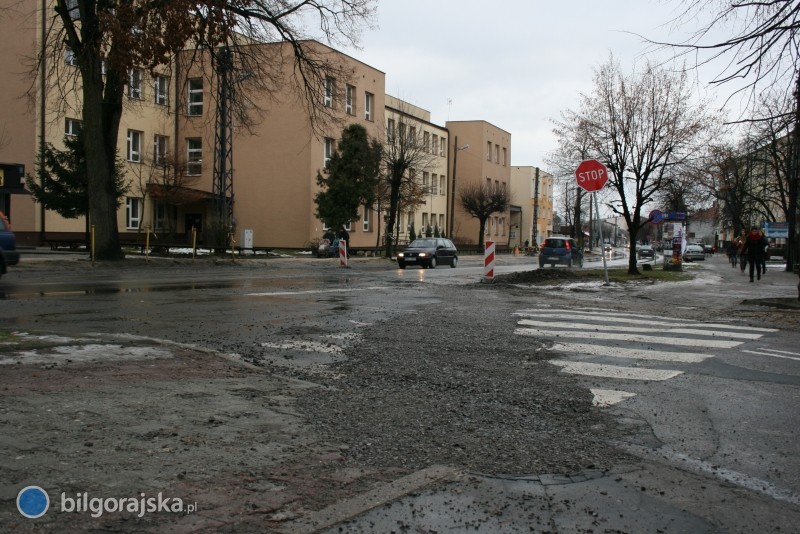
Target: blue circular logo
{"type": "Point", "coordinates": [33, 502]}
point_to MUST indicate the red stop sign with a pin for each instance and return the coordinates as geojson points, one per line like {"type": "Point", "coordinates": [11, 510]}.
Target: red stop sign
{"type": "Point", "coordinates": [591, 175]}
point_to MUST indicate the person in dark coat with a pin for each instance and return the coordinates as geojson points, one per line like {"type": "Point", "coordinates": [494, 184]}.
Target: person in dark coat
{"type": "Point", "coordinates": [754, 248]}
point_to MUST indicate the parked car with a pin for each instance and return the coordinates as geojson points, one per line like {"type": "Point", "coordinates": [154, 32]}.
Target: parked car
{"type": "Point", "coordinates": [645, 252]}
{"type": "Point", "coordinates": [429, 252]}
{"type": "Point", "coordinates": [562, 251]}
{"type": "Point", "coordinates": [694, 252]}
{"type": "Point", "coordinates": [9, 255]}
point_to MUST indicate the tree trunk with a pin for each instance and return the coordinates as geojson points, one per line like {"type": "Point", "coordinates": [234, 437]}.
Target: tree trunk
{"type": "Point", "coordinates": [101, 117]}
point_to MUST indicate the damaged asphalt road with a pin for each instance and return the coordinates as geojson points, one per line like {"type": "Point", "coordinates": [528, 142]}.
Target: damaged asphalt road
{"type": "Point", "coordinates": [412, 406]}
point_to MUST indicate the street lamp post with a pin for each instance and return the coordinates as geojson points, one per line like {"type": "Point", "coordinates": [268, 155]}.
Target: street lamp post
{"type": "Point", "coordinates": [453, 187]}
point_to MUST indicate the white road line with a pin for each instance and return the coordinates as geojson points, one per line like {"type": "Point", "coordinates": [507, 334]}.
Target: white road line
{"type": "Point", "coordinates": [615, 371]}
{"type": "Point", "coordinates": [585, 349]}
{"type": "Point", "coordinates": [772, 355]}
{"type": "Point", "coordinates": [683, 342]}
{"type": "Point", "coordinates": [665, 322]}
{"type": "Point", "coordinates": [610, 328]}
{"type": "Point", "coordinates": [316, 291]}
{"type": "Point", "coordinates": [607, 397]}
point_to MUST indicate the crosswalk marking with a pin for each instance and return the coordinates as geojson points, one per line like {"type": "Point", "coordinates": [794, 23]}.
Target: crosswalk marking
{"type": "Point", "coordinates": [607, 328]}
{"type": "Point", "coordinates": [774, 353]}
{"type": "Point", "coordinates": [615, 371]}
{"type": "Point", "coordinates": [597, 333]}
{"type": "Point", "coordinates": [634, 319]}
{"type": "Point", "coordinates": [608, 397]}
{"type": "Point", "coordinates": [623, 352]}
{"type": "Point", "coordinates": [684, 342]}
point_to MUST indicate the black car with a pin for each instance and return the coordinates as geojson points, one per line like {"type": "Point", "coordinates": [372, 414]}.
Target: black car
{"type": "Point", "coordinates": [560, 250]}
{"type": "Point", "coordinates": [429, 252]}
{"type": "Point", "coordinates": [646, 252]}
{"type": "Point", "coordinates": [9, 255]}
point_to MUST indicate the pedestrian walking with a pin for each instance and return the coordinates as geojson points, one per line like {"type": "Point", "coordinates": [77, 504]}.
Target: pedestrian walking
{"type": "Point", "coordinates": [740, 242]}
{"type": "Point", "coordinates": [732, 253]}
{"type": "Point", "coordinates": [765, 255]}
{"type": "Point", "coordinates": [754, 248]}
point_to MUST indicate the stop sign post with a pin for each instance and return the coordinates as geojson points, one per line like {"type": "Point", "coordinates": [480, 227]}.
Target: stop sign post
{"type": "Point", "coordinates": [591, 175]}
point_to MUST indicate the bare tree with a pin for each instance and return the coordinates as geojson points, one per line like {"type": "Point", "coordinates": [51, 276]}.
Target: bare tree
{"type": "Point", "coordinates": [642, 127]}
{"type": "Point", "coordinates": [481, 200]}
{"type": "Point", "coordinates": [105, 40]}
{"type": "Point", "coordinates": [762, 51]}
{"type": "Point", "coordinates": [405, 157]}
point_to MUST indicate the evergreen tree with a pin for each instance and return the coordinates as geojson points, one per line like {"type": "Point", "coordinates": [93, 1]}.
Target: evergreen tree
{"type": "Point", "coordinates": [350, 178]}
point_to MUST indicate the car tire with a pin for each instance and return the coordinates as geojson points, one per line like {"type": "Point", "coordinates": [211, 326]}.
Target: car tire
{"type": "Point", "coordinates": [454, 262]}
{"type": "Point", "coordinates": [541, 265]}
{"type": "Point", "coordinates": [552, 265]}
{"type": "Point", "coordinates": [432, 263]}
{"type": "Point", "coordinates": [401, 264]}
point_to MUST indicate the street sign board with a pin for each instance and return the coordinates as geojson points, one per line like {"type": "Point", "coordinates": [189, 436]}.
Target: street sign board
{"type": "Point", "coordinates": [656, 216]}
{"type": "Point", "coordinates": [591, 175]}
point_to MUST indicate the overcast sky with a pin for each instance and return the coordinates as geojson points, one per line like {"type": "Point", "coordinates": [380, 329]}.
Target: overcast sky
{"type": "Point", "coordinates": [514, 63]}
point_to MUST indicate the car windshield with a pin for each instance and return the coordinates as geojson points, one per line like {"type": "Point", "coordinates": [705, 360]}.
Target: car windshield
{"type": "Point", "coordinates": [555, 243]}
{"type": "Point", "coordinates": [423, 243]}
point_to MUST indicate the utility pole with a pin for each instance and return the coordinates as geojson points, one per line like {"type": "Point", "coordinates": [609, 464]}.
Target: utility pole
{"type": "Point", "coordinates": [223, 151]}
{"type": "Point", "coordinates": [535, 225]}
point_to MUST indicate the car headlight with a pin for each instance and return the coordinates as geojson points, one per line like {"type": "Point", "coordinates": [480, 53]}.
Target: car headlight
{"type": "Point", "coordinates": [423, 254]}
{"type": "Point", "coordinates": [400, 254]}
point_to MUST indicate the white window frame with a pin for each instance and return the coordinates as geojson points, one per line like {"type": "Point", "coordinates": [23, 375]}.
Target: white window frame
{"type": "Point", "coordinates": [70, 58]}
{"type": "Point", "coordinates": [442, 185]}
{"type": "Point", "coordinates": [328, 100]}
{"type": "Point", "coordinates": [194, 156]}
{"type": "Point", "coordinates": [443, 147]}
{"type": "Point", "coordinates": [72, 127]}
{"type": "Point", "coordinates": [349, 93]}
{"type": "Point", "coordinates": [135, 84]}
{"type": "Point", "coordinates": [368, 103]}
{"type": "Point", "coordinates": [328, 149]}
{"type": "Point", "coordinates": [366, 219]}
{"type": "Point", "coordinates": [161, 89]}
{"type": "Point", "coordinates": [133, 213]}
{"type": "Point", "coordinates": [134, 146]}
{"type": "Point", "coordinates": [160, 149]}
{"type": "Point", "coordinates": [195, 97]}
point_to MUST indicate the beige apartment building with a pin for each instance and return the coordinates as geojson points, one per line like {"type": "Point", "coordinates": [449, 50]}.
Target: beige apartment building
{"type": "Point", "coordinates": [532, 191]}
{"type": "Point", "coordinates": [167, 142]}
{"type": "Point", "coordinates": [481, 154]}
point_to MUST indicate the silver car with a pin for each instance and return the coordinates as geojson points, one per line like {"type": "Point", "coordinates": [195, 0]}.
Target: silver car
{"type": "Point", "coordinates": [694, 252]}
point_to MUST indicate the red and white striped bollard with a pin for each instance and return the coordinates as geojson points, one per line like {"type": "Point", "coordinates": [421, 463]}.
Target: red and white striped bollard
{"type": "Point", "coordinates": [488, 262]}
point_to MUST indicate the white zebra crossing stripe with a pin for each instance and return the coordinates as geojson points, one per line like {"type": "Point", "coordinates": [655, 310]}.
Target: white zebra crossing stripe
{"type": "Point", "coordinates": [774, 353]}
{"type": "Point", "coordinates": [683, 342]}
{"type": "Point", "coordinates": [615, 371]}
{"type": "Point", "coordinates": [635, 319]}
{"type": "Point", "coordinates": [623, 352]}
{"type": "Point", "coordinates": [609, 328]}
{"type": "Point", "coordinates": [607, 397]}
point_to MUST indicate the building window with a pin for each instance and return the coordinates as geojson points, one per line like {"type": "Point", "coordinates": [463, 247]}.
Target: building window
{"type": "Point", "coordinates": [132, 213]}
{"type": "Point", "coordinates": [70, 57]}
{"type": "Point", "coordinates": [194, 156]}
{"type": "Point", "coordinates": [328, 151]}
{"type": "Point", "coordinates": [390, 130]}
{"type": "Point", "coordinates": [505, 156]}
{"type": "Point", "coordinates": [424, 223]}
{"type": "Point", "coordinates": [349, 93]}
{"type": "Point", "coordinates": [488, 151]}
{"type": "Point", "coordinates": [160, 143]}
{"type": "Point", "coordinates": [134, 146]}
{"type": "Point", "coordinates": [435, 144]}
{"type": "Point", "coordinates": [195, 96]}
{"type": "Point", "coordinates": [135, 84]}
{"type": "Point", "coordinates": [426, 142]}
{"type": "Point", "coordinates": [329, 82]}
{"type": "Point", "coordinates": [497, 153]}
{"type": "Point", "coordinates": [161, 90]}
{"type": "Point", "coordinates": [367, 218]}
{"type": "Point", "coordinates": [441, 185]}
{"type": "Point", "coordinates": [72, 127]}
{"type": "Point", "coordinates": [368, 98]}
{"type": "Point", "coordinates": [443, 147]}
{"type": "Point", "coordinates": [441, 221]}
{"type": "Point", "coordinates": [424, 182]}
